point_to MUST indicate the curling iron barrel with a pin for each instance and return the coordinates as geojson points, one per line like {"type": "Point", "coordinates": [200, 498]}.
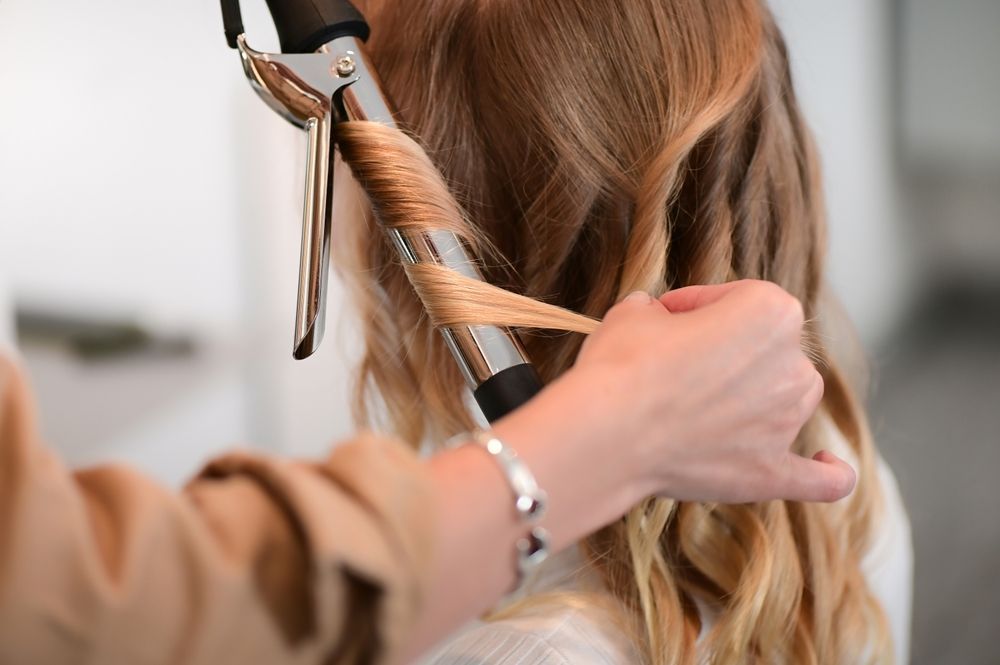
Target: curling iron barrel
{"type": "Point", "coordinates": [322, 78]}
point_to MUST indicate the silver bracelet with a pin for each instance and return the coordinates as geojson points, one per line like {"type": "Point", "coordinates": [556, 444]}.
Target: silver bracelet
{"type": "Point", "coordinates": [530, 501]}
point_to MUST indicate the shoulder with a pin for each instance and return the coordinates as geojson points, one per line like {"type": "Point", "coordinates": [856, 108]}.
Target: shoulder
{"type": "Point", "coordinates": [559, 636]}
{"type": "Point", "coordinates": [888, 564]}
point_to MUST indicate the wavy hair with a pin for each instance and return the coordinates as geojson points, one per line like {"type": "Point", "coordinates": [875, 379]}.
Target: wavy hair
{"type": "Point", "coordinates": [585, 149]}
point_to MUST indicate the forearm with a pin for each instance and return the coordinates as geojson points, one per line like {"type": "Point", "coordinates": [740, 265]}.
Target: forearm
{"type": "Point", "coordinates": [259, 560]}
{"type": "Point", "coordinates": [476, 524]}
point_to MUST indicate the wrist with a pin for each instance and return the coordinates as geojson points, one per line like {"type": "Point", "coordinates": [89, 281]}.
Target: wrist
{"type": "Point", "coordinates": [581, 450]}
{"type": "Point", "coordinates": [626, 425]}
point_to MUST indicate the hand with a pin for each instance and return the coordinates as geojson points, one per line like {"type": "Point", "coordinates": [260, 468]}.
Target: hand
{"type": "Point", "coordinates": [695, 396]}
{"type": "Point", "coordinates": [706, 389]}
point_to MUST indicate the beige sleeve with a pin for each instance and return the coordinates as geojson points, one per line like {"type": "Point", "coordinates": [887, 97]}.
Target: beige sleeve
{"type": "Point", "coordinates": [257, 560]}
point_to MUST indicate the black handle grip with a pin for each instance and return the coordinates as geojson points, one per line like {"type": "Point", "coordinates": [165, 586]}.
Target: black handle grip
{"type": "Point", "coordinates": [506, 390]}
{"type": "Point", "coordinates": [303, 25]}
{"type": "Point", "coordinates": [232, 21]}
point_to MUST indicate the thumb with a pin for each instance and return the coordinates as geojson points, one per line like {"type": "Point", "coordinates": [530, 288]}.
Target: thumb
{"type": "Point", "coordinates": [692, 297]}
{"type": "Point", "coordinates": [825, 478]}
{"type": "Point", "coordinates": [633, 303]}
{"type": "Point", "coordinates": [637, 298]}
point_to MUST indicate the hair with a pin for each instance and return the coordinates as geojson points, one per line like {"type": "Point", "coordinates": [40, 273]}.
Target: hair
{"type": "Point", "coordinates": [585, 149]}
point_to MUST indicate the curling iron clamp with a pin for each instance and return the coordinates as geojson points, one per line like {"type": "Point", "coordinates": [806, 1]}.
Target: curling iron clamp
{"type": "Point", "coordinates": [319, 79]}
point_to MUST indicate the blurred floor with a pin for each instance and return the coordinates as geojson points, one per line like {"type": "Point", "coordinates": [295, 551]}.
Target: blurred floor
{"type": "Point", "coordinates": [936, 415]}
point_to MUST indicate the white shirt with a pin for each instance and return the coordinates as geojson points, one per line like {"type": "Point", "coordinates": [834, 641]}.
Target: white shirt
{"type": "Point", "coordinates": [588, 635]}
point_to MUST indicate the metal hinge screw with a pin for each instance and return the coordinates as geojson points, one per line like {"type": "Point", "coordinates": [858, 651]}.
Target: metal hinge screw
{"type": "Point", "coordinates": [344, 66]}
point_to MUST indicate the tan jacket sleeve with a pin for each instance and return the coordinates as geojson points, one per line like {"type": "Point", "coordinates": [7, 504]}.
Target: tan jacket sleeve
{"type": "Point", "coordinates": [257, 560]}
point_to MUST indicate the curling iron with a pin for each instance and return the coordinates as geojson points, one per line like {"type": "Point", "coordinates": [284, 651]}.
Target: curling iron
{"type": "Point", "coordinates": [321, 78]}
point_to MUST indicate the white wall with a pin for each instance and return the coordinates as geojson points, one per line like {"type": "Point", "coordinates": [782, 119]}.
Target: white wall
{"type": "Point", "coordinates": [951, 86]}
{"type": "Point", "coordinates": [140, 176]}
{"type": "Point", "coordinates": [111, 181]}
{"type": "Point", "coordinates": [950, 138]}
{"type": "Point", "coordinates": [840, 62]}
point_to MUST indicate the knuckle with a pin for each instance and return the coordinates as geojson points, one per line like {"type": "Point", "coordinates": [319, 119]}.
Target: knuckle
{"type": "Point", "coordinates": [820, 387]}
{"type": "Point", "coordinates": [760, 291]}
{"type": "Point", "coordinates": [817, 387]}
{"type": "Point", "coordinates": [796, 310]}
{"type": "Point", "coordinates": [784, 309]}
{"type": "Point", "coordinates": [805, 409]}
{"type": "Point", "coordinates": [806, 375]}
{"type": "Point", "coordinates": [790, 312]}
{"type": "Point", "coordinates": [770, 292]}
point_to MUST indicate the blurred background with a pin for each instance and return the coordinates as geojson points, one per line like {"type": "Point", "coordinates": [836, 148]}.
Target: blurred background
{"type": "Point", "coordinates": [149, 211]}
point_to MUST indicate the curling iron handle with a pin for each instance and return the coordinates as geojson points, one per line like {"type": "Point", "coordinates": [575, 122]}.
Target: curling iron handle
{"type": "Point", "coordinates": [302, 25]}
{"type": "Point", "coordinates": [507, 390]}
{"type": "Point", "coordinates": [314, 258]}
{"type": "Point", "coordinates": [305, 25]}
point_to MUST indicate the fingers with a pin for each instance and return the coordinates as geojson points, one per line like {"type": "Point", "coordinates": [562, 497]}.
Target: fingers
{"type": "Point", "coordinates": [761, 304]}
{"type": "Point", "coordinates": [637, 301]}
{"type": "Point", "coordinates": [811, 400]}
{"type": "Point", "coordinates": [638, 298]}
{"type": "Point", "coordinates": [824, 478]}
{"type": "Point", "coordinates": [692, 297]}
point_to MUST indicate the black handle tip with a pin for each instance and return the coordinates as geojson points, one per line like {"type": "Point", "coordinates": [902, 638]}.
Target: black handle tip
{"type": "Point", "coordinates": [507, 390]}
{"type": "Point", "coordinates": [305, 25]}
{"type": "Point", "coordinates": [232, 21]}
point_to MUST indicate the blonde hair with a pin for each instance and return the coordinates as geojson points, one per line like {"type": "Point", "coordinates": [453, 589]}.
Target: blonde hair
{"type": "Point", "coordinates": [585, 149]}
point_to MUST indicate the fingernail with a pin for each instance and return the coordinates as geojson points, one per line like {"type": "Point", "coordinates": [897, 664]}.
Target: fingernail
{"type": "Point", "coordinates": [826, 457]}
{"type": "Point", "coordinates": [638, 297]}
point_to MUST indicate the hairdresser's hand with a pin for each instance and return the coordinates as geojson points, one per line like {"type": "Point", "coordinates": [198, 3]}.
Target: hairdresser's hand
{"type": "Point", "coordinates": [710, 387]}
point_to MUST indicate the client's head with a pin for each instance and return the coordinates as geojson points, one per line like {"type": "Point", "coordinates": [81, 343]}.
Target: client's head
{"type": "Point", "coordinates": [596, 147]}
